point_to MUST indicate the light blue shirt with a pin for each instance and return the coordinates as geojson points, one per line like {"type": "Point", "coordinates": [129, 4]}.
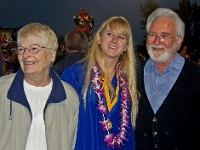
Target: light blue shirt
{"type": "Point", "coordinates": [158, 85]}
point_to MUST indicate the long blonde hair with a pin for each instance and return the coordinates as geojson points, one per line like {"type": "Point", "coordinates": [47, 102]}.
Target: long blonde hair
{"type": "Point", "coordinates": [127, 59]}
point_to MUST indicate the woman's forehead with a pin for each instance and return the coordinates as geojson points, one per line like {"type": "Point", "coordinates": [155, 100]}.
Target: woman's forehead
{"type": "Point", "coordinates": [115, 29]}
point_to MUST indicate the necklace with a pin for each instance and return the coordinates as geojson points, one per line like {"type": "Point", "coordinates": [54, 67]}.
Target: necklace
{"type": "Point", "coordinates": [110, 139]}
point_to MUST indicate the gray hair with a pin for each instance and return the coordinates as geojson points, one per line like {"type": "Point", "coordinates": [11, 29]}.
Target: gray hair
{"type": "Point", "coordinates": [43, 32]}
{"type": "Point", "coordinates": [167, 13]}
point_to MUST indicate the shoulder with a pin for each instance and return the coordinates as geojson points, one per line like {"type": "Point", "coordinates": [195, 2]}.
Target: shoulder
{"type": "Point", "coordinates": [78, 66]}
{"type": "Point", "coordinates": [75, 75]}
{"type": "Point", "coordinates": [192, 66]}
{"type": "Point", "coordinates": [191, 71]}
{"type": "Point", "coordinates": [71, 96]}
{"type": "Point", "coordinates": [74, 54]}
{"type": "Point", "coordinates": [59, 63]}
{"type": "Point", "coordinates": [69, 89]}
{"type": "Point", "coordinates": [7, 79]}
{"type": "Point", "coordinates": [5, 84]}
{"type": "Point", "coordinates": [76, 69]}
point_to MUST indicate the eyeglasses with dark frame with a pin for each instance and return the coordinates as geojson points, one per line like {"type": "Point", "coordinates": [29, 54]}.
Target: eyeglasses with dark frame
{"type": "Point", "coordinates": [163, 37]}
{"type": "Point", "coordinates": [34, 48]}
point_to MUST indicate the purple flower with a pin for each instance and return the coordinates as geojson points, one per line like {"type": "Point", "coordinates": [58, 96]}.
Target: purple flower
{"type": "Point", "coordinates": [110, 139]}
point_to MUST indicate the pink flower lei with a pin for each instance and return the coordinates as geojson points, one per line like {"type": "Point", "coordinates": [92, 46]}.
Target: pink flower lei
{"type": "Point", "coordinates": [110, 139]}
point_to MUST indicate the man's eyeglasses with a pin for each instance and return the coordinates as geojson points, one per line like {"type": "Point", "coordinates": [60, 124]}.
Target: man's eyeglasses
{"type": "Point", "coordinates": [34, 48]}
{"type": "Point", "coordinates": [163, 37]}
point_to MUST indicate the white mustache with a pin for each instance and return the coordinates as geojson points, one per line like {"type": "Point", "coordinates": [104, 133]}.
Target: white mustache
{"type": "Point", "coordinates": [157, 46]}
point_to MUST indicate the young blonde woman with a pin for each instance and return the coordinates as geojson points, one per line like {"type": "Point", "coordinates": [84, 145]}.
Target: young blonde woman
{"type": "Point", "coordinates": [106, 84]}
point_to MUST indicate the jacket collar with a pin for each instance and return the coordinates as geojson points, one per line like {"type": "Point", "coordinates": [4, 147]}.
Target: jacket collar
{"type": "Point", "coordinates": [16, 92]}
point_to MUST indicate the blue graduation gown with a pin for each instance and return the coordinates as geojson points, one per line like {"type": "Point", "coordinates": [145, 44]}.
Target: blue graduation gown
{"type": "Point", "coordinates": [90, 135]}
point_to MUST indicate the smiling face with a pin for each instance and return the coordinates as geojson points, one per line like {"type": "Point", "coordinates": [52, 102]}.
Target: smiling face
{"type": "Point", "coordinates": [112, 43]}
{"type": "Point", "coordinates": [161, 50]}
{"type": "Point", "coordinates": [38, 64]}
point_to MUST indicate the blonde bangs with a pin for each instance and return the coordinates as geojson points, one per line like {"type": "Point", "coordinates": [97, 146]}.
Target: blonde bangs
{"type": "Point", "coordinates": [119, 26]}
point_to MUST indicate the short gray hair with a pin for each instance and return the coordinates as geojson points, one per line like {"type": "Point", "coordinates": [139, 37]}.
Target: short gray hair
{"type": "Point", "coordinates": [44, 32]}
{"type": "Point", "coordinates": [167, 13]}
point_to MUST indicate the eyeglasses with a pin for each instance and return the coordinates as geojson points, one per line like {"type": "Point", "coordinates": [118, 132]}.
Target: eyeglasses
{"type": "Point", "coordinates": [34, 48]}
{"type": "Point", "coordinates": [163, 37]}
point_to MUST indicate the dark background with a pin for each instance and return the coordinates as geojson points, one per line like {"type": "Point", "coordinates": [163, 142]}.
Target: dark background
{"type": "Point", "coordinates": [58, 14]}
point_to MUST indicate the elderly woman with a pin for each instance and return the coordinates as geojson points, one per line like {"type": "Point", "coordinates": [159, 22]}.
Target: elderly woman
{"type": "Point", "coordinates": [37, 109]}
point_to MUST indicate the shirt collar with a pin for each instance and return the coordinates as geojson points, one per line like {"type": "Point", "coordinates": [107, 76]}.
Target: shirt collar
{"type": "Point", "coordinates": [177, 64]}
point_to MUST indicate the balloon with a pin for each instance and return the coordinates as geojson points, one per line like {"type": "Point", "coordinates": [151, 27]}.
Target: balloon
{"type": "Point", "coordinates": [84, 22]}
{"type": "Point", "coordinates": [79, 21]}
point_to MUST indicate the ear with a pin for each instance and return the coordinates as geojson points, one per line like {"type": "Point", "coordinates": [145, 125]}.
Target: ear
{"type": "Point", "coordinates": [125, 48]}
{"type": "Point", "coordinates": [66, 49]}
{"type": "Point", "coordinates": [180, 40]}
{"type": "Point", "coordinates": [53, 56]}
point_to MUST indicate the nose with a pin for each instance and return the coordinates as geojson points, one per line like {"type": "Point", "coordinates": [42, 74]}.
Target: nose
{"type": "Point", "coordinates": [114, 39]}
{"type": "Point", "coordinates": [26, 52]}
{"type": "Point", "coordinates": [158, 39]}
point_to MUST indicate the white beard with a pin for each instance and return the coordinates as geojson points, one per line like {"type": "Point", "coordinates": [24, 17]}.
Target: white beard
{"type": "Point", "coordinates": [161, 57]}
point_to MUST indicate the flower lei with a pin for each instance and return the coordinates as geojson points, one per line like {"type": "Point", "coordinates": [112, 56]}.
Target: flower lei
{"type": "Point", "coordinates": [110, 139]}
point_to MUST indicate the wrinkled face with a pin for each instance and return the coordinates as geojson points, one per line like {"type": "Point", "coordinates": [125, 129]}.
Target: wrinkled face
{"type": "Point", "coordinates": [162, 40]}
{"type": "Point", "coordinates": [36, 64]}
{"type": "Point", "coordinates": [112, 44]}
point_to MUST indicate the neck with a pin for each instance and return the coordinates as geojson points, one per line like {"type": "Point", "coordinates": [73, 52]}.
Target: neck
{"type": "Point", "coordinates": [38, 81]}
{"type": "Point", "coordinates": [110, 67]}
{"type": "Point", "coordinates": [162, 66]}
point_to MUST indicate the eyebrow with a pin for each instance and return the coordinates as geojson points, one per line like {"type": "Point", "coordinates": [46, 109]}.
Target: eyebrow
{"type": "Point", "coordinates": [167, 33]}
